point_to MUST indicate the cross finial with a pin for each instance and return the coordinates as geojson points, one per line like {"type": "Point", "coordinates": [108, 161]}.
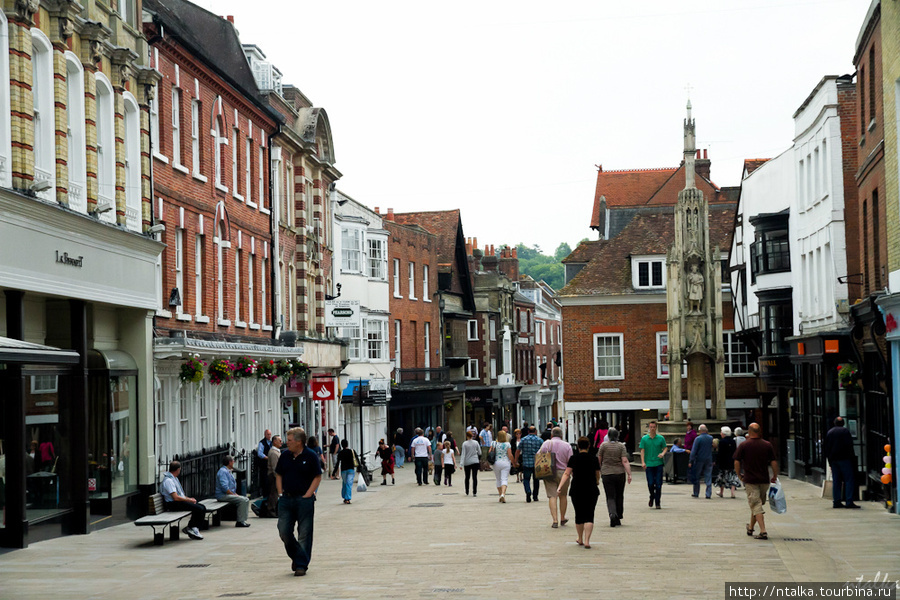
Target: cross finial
{"type": "Point", "coordinates": [688, 89]}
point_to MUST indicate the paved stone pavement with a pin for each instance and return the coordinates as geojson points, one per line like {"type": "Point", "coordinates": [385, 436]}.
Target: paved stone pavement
{"type": "Point", "coordinates": [406, 541]}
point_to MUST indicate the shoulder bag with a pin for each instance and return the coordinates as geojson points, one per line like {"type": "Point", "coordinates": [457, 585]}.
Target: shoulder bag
{"type": "Point", "coordinates": [545, 464]}
{"type": "Point", "coordinates": [492, 454]}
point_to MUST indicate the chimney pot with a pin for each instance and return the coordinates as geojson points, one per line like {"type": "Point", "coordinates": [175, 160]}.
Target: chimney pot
{"type": "Point", "coordinates": [704, 153]}
{"type": "Point", "coordinates": [377, 212]}
{"type": "Point", "coordinates": [474, 242]}
{"type": "Point", "coordinates": [230, 19]}
{"type": "Point", "coordinates": [698, 154]}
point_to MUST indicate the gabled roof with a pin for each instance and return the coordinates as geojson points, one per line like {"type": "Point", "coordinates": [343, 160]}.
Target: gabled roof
{"type": "Point", "coordinates": [444, 224]}
{"type": "Point", "coordinates": [585, 251]}
{"type": "Point", "coordinates": [645, 187]}
{"type": "Point", "coordinates": [214, 39]}
{"type": "Point", "coordinates": [608, 270]}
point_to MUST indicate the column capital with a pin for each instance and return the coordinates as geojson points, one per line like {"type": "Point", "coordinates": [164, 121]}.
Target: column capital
{"type": "Point", "coordinates": [96, 34]}
{"type": "Point", "coordinates": [65, 13]}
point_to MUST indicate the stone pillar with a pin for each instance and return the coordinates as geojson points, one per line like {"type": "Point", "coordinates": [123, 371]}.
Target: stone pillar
{"type": "Point", "coordinates": [21, 99]}
{"type": "Point", "coordinates": [147, 79]}
{"type": "Point", "coordinates": [93, 35]}
{"type": "Point", "coordinates": [62, 25]}
{"type": "Point", "coordinates": [718, 395]}
{"type": "Point", "coordinates": [696, 387]}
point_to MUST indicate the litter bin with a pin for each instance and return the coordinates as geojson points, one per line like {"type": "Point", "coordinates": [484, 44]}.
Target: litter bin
{"type": "Point", "coordinates": [240, 478]}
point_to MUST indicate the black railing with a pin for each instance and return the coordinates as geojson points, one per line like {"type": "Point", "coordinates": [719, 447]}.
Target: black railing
{"type": "Point", "coordinates": [416, 377]}
{"type": "Point", "coordinates": [198, 469]}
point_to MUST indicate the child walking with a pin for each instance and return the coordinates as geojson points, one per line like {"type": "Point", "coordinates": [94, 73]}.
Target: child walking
{"type": "Point", "coordinates": [449, 461]}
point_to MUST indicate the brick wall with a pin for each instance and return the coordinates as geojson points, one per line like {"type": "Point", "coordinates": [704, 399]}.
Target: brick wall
{"type": "Point", "coordinates": [849, 115]}
{"type": "Point", "coordinates": [890, 49]}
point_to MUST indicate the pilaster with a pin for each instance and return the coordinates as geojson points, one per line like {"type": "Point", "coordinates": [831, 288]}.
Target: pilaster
{"type": "Point", "coordinates": [93, 36]}
{"type": "Point", "coordinates": [21, 20]}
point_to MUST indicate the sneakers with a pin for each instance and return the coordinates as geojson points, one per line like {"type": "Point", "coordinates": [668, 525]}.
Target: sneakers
{"type": "Point", "coordinates": [193, 533]}
{"type": "Point", "coordinates": [299, 571]}
{"type": "Point", "coordinates": [242, 524]}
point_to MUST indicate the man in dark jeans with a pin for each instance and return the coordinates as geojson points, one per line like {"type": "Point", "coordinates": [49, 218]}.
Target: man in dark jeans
{"type": "Point", "coordinates": [840, 455]}
{"type": "Point", "coordinates": [175, 500]}
{"type": "Point", "coordinates": [333, 448]}
{"type": "Point", "coordinates": [297, 476]}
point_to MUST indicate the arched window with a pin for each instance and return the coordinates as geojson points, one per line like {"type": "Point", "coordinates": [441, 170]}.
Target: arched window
{"type": "Point", "coordinates": [132, 163]}
{"type": "Point", "coordinates": [44, 122]}
{"type": "Point", "coordinates": [5, 127]}
{"type": "Point", "coordinates": [219, 145]}
{"type": "Point", "coordinates": [75, 133]}
{"type": "Point", "coordinates": [106, 150]}
{"type": "Point", "coordinates": [220, 271]}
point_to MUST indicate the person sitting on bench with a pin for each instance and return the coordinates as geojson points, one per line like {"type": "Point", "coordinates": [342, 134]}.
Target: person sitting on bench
{"type": "Point", "coordinates": [175, 500]}
{"type": "Point", "coordinates": [226, 491]}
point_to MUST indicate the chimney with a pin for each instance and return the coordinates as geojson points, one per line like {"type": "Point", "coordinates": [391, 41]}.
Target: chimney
{"type": "Point", "coordinates": [489, 261]}
{"type": "Point", "coordinates": [377, 212]}
{"type": "Point", "coordinates": [705, 157]}
{"type": "Point", "coordinates": [230, 19]}
{"type": "Point", "coordinates": [474, 243]}
{"type": "Point", "coordinates": [515, 252]}
{"type": "Point", "coordinates": [390, 215]}
{"type": "Point", "coordinates": [468, 246]}
{"type": "Point", "coordinates": [702, 166]}
{"type": "Point", "coordinates": [698, 155]}
{"type": "Point", "coordinates": [492, 250]}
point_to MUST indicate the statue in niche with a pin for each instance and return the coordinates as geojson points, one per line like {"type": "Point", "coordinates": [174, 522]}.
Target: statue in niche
{"type": "Point", "coordinates": [695, 289]}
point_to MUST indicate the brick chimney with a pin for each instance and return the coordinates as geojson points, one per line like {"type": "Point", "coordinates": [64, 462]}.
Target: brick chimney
{"type": "Point", "coordinates": [702, 165]}
{"type": "Point", "coordinates": [509, 264]}
{"type": "Point", "coordinates": [230, 19]}
{"type": "Point", "coordinates": [490, 259]}
{"type": "Point", "coordinates": [390, 214]}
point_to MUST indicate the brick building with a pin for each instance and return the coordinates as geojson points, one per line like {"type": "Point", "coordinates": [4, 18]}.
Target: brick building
{"type": "Point", "coordinates": [211, 131]}
{"type": "Point", "coordinates": [76, 270]}
{"type": "Point", "coordinates": [543, 405]}
{"type": "Point", "coordinates": [614, 331]}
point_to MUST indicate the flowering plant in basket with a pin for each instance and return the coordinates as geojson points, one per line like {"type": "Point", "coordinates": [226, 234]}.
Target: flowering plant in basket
{"type": "Point", "coordinates": [292, 368]}
{"type": "Point", "coordinates": [192, 369]}
{"type": "Point", "coordinates": [267, 369]}
{"type": "Point", "coordinates": [849, 377]}
{"type": "Point", "coordinates": [220, 371]}
{"type": "Point", "coordinates": [245, 367]}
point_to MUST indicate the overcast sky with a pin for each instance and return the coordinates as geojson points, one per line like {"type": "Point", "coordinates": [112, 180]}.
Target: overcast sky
{"type": "Point", "coordinates": [503, 108]}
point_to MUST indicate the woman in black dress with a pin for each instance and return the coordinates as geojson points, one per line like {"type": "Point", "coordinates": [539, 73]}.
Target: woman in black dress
{"type": "Point", "coordinates": [386, 453]}
{"type": "Point", "coordinates": [725, 461]}
{"type": "Point", "coordinates": [584, 471]}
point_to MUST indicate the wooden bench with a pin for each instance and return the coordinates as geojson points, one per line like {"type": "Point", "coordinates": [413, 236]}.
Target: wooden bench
{"type": "Point", "coordinates": [158, 517]}
{"type": "Point", "coordinates": [213, 507]}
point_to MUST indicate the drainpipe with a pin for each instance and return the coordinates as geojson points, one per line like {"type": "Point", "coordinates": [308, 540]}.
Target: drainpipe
{"type": "Point", "coordinates": [275, 254]}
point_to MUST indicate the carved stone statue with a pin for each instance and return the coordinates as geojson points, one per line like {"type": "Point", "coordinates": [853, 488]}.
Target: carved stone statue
{"type": "Point", "coordinates": [695, 289]}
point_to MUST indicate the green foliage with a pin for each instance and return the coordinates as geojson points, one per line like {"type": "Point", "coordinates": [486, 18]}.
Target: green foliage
{"type": "Point", "coordinates": [539, 266]}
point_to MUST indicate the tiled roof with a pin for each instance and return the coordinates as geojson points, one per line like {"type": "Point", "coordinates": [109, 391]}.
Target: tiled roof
{"type": "Point", "coordinates": [444, 224]}
{"type": "Point", "coordinates": [585, 251]}
{"type": "Point", "coordinates": [645, 187]}
{"type": "Point", "coordinates": [608, 271]}
{"type": "Point", "coordinates": [752, 164]}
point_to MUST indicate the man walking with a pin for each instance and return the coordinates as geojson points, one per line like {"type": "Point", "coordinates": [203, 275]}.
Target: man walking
{"type": "Point", "coordinates": [487, 438]}
{"type": "Point", "coordinates": [556, 494]}
{"type": "Point", "coordinates": [701, 462]}
{"type": "Point", "coordinates": [420, 449]}
{"type": "Point", "coordinates": [399, 450]}
{"type": "Point", "coordinates": [840, 455]}
{"type": "Point", "coordinates": [175, 499]}
{"type": "Point", "coordinates": [297, 476]}
{"type": "Point", "coordinates": [653, 450]}
{"type": "Point", "coordinates": [226, 491]}
{"type": "Point", "coordinates": [528, 447]}
{"type": "Point", "coordinates": [334, 446]}
{"type": "Point", "coordinates": [261, 459]}
{"type": "Point", "coordinates": [752, 460]}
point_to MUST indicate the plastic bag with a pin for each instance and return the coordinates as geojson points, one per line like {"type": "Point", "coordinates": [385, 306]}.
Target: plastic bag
{"type": "Point", "coordinates": [777, 499]}
{"type": "Point", "coordinates": [362, 485]}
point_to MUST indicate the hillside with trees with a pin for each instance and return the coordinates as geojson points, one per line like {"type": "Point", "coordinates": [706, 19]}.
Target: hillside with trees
{"type": "Point", "coordinates": [539, 266]}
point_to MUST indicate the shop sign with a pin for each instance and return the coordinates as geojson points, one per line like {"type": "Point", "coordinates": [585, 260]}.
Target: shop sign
{"type": "Point", "coordinates": [322, 389]}
{"type": "Point", "coordinates": [342, 313]}
{"type": "Point", "coordinates": [92, 484]}
{"type": "Point", "coordinates": [65, 259]}
{"type": "Point", "coordinates": [378, 391]}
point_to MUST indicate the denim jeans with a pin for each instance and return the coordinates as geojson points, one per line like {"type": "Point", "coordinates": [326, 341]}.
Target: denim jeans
{"type": "Point", "coordinates": [654, 482]}
{"type": "Point", "coordinates": [347, 483]}
{"type": "Point", "coordinates": [702, 469]}
{"type": "Point", "coordinates": [422, 470]}
{"type": "Point", "coordinates": [300, 512]}
{"type": "Point", "coordinates": [529, 477]}
{"type": "Point", "coordinates": [399, 455]}
{"type": "Point", "coordinates": [843, 472]}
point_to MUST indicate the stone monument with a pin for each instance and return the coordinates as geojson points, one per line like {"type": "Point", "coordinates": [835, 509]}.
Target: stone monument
{"type": "Point", "coordinates": [694, 305]}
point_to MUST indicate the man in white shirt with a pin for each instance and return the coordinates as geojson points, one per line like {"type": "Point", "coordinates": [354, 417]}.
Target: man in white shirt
{"type": "Point", "coordinates": [420, 449]}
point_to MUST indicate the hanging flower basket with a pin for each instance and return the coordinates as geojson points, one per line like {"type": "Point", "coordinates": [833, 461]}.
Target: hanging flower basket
{"type": "Point", "coordinates": [245, 367]}
{"type": "Point", "coordinates": [267, 369]}
{"type": "Point", "coordinates": [849, 377]}
{"type": "Point", "coordinates": [192, 370]}
{"type": "Point", "coordinates": [292, 368]}
{"type": "Point", "coordinates": [221, 371]}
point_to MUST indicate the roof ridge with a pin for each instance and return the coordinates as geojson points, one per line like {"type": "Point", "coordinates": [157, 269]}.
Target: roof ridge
{"type": "Point", "coordinates": [641, 170]}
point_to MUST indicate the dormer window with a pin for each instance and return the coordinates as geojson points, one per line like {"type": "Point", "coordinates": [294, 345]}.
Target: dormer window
{"type": "Point", "coordinates": [648, 272]}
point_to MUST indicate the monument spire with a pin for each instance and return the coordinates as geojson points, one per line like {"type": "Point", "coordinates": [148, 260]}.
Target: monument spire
{"type": "Point", "coordinates": [690, 149]}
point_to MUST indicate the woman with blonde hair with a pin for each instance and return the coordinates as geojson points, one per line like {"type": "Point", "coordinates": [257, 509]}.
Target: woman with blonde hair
{"type": "Point", "coordinates": [502, 463]}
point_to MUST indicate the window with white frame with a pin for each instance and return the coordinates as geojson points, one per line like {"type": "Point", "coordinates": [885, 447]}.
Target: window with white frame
{"type": "Point", "coordinates": [203, 406]}
{"type": "Point", "coordinates": [426, 296]}
{"type": "Point", "coordinates": [184, 417]}
{"type": "Point", "coordinates": [351, 250]}
{"type": "Point", "coordinates": [220, 142]}
{"type": "Point", "coordinates": [426, 345]}
{"type": "Point", "coordinates": [738, 359]}
{"type": "Point", "coordinates": [220, 274]}
{"type": "Point", "coordinates": [250, 290]}
{"type": "Point", "coordinates": [179, 268]}
{"type": "Point", "coordinates": [248, 169]}
{"type": "Point", "coordinates": [198, 276]}
{"type": "Point", "coordinates": [44, 118]}
{"type": "Point", "coordinates": [5, 123]}
{"type": "Point", "coordinates": [235, 132]}
{"type": "Point", "coordinates": [154, 122]}
{"type": "Point", "coordinates": [377, 258]}
{"type": "Point", "coordinates": [493, 368]}
{"type": "Point", "coordinates": [648, 273]}
{"type": "Point", "coordinates": [376, 339]}
{"type": "Point", "coordinates": [397, 362]}
{"type": "Point", "coordinates": [411, 268]}
{"type": "Point", "coordinates": [44, 384]}
{"type": "Point", "coordinates": [662, 356]}
{"type": "Point", "coordinates": [176, 126]}
{"type": "Point", "coordinates": [76, 141]}
{"type": "Point", "coordinates": [263, 303]}
{"type": "Point", "coordinates": [493, 329]}
{"type": "Point", "coordinates": [161, 432]}
{"type": "Point", "coordinates": [354, 335]}
{"type": "Point", "coordinates": [473, 329]}
{"type": "Point", "coordinates": [609, 358]}
{"type": "Point", "coordinates": [277, 174]}
{"type": "Point", "coordinates": [261, 170]}
{"type": "Point", "coordinates": [237, 285]}
{"type": "Point", "coordinates": [132, 163]}
{"type": "Point", "coordinates": [396, 275]}
{"type": "Point", "coordinates": [472, 368]}
{"type": "Point", "coordinates": [195, 136]}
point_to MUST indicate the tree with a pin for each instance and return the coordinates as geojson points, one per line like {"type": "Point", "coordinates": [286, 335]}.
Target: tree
{"type": "Point", "coordinates": [562, 251]}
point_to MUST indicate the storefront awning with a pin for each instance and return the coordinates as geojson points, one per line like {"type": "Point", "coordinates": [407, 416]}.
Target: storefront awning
{"type": "Point", "coordinates": [17, 351]}
{"type": "Point", "coordinates": [351, 387]}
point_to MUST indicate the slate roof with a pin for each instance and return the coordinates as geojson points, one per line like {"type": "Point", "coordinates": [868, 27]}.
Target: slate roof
{"type": "Point", "coordinates": [645, 187]}
{"type": "Point", "coordinates": [442, 223]}
{"type": "Point", "coordinates": [214, 39]}
{"type": "Point", "coordinates": [608, 271]}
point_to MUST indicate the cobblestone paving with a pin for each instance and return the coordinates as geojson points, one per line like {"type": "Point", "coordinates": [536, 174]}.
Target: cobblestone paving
{"type": "Point", "coordinates": [406, 541]}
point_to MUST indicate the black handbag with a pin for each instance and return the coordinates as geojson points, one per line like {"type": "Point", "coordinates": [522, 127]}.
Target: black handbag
{"type": "Point", "coordinates": [492, 454]}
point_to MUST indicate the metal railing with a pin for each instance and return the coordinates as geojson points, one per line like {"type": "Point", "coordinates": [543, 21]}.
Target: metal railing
{"type": "Point", "coordinates": [410, 377]}
{"type": "Point", "coordinates": [198, 469]}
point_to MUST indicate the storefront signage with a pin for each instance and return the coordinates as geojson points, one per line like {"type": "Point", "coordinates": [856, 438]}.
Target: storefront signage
{"type": "Point", "coordinates": [65, 259]}
{"type": "Point", "coordinates": [378, 391]}
{"type": "Point", "coordinates": [322, 389]}
{"type": "Point", "coordinates": [342, 313]}
{"type": "Point", "coordinates": [92, 485]}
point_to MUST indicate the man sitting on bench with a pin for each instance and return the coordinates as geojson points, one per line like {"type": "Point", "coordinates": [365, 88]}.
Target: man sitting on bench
{"type": "Point", "coordinates": [226, 491]}
{"type": "Point", "coordinates": [175, 500]}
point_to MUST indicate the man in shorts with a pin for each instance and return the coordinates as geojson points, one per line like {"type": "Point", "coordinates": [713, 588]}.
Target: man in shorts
{"type": "Point", "coordinates": [751, 462]}
{"type": "Point", "coordinates": [556, 495]}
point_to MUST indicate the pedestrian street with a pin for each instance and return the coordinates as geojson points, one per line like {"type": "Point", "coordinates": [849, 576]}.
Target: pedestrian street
{"type": "Point", "coordinates": [406, 541]}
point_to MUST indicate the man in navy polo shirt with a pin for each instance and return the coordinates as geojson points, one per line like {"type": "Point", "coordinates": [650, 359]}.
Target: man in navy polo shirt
{"type": "Point", "coordinates": [297, 476]}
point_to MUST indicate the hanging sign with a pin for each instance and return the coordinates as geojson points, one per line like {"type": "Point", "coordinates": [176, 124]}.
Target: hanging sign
{"type": "Point", "coordinates": [322, 389]}
{"type": "Point", "coordinates": [342, 313]}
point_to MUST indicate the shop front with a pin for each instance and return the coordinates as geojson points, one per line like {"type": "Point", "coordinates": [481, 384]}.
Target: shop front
{"type": "Point", "coordinates": [890, 308]}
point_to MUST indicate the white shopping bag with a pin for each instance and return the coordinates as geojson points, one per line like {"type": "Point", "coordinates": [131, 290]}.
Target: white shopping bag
{"type": "Point", "coordinates": [777, 499]}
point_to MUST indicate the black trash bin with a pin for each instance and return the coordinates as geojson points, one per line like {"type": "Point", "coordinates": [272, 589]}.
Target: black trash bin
{"type": "Point", "coordinates": [240, 478]}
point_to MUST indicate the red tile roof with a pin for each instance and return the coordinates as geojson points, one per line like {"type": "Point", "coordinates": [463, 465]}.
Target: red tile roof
{"type": "Point", "coordinates": [444, 224]}
{"type": "Point", "coordinates": [752, 164]}
{"type": "Point", "coordinates": [608, 271]}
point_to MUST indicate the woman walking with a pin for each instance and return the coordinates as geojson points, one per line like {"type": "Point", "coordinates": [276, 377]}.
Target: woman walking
{"type": "Point", "coordinates": [517, 466]}
{"type": "Point", "coordinates": [584, 471]}
{"type": "Point", "coordinates": [346, 459]}
{"type": "Point", "coordinates": [313, 444]}
{"type": "Point", "coordinates": [725, 461]}
{"type": "Point", "coordinates": [502, 463]}
{"type": "Point", "coordinates": [386, 454]}
{"type": "Point", "coordinates": [471, 461]}
{"type": "Point", "coordinates": [614, 467]}
{"type": "Point", "coordinates": [449, 460]}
